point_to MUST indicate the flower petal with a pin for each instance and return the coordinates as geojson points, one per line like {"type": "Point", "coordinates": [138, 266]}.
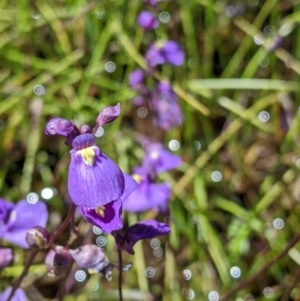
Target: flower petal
{"type": "Point", "coordinates": [147, 20]}
{"type": "Point", "coordinates": [108, 115]}
{"type": "Point", "coordinates": [109, 221]}
{"type": "Point", "coordinates": [144, 230]}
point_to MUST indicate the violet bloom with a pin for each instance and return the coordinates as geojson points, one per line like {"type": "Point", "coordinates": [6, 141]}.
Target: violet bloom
{"type": "Point", "coordinates": [19, 295]}
{"type": "Point", "coordinates": [149, 194]}
{"type": "Point", "coordinates": [17, 219]}
{"type": "Point", "coordinates": [6, 257]}
{"type": "Point", "coordinates": [136, 79]}
{"type": "Point", "coordinates": [147, 20]}
{"type": "Point", "coordinates": [108, 217]}
{"type": "Point", "coordinates": [144, 230]}
{"type": "Point", "coordinates": [94, 179]}
{"type": "Point", "coordinates": [168, 52]}
{"type": "Point", "coordinates": [164, 103]}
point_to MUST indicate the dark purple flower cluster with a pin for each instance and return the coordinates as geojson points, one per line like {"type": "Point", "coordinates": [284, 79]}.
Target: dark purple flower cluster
{"type": "Point", "coordinates": [161, 99]}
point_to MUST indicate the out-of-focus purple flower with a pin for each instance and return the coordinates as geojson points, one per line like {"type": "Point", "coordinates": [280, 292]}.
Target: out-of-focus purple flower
{"type": "Point", "coordinates": [164, 103]}
{"type": "Point", "coordinates": [147, 20]}
{"type": "Point", "coordinates": [159, 159]}
{"type": "Point", "coordinates": [90, 257]}
{"type": "Point", "coordinates": [17, 219]}
{"type": "Point", "coordinates": [136, 79]}
{"type": "Point", "coordinates": [19, 295]}
{"type": "Point", "coordinates": [144, 230]}
{"type": "Point", "coordinates": [108, 217]}
{"type": "Point", "coordinates": [94, 180]}
{"type": "Point", "coordinates": [168, 52]}
{"type": "Point", "coordinates": [6, 257]}
{"type": "Point", "coordinates": [148, 195]}
{"type": "Point", "coordinates": [58, 261]}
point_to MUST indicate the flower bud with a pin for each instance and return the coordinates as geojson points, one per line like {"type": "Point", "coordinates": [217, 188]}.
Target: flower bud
{"type": "Point", "coordinates": [58, 261]}
{"type": "Point", "coordinates": [90, 257]}
{"type": "Point", "coordinates": [6, 257]}
{"type": "Point", "coordinates": [37, 238]}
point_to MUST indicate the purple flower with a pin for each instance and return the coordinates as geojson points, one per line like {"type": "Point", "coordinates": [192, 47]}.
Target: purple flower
{"type": "Point", "coordinates": [16, 220]}
{"type": "Point", "coordinates": [168, 52]}
{"type": "Point", "coordinates": [136, 79]}
{"type": "Point", "coordinates": [6, 257]}
{"type": "Point", "coordinates": [143, 230]}
{"type": "Point", "coordinates": [108, 217]}
{"type": "Point", "coordinates": [152, 2]}
{"type": "Point", "coordinates": [19, 295]}
{"type": "Point", "coordinates": [164, 103]}
{"type": "Point", "coordinates": [147, 20]}
{"type": "Point", "coordinates": [94, 180]}
{"type": "Point", "coordinates": [159, 159]}
{"type": "Point", "coordinates": [148, 195]}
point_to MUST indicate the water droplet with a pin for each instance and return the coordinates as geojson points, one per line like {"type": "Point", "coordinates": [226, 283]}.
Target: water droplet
{"type": "Point", "coordinates": [264, 116]}
{"type": "Point", "coordinates": [197, 145]}
{"type": "Point", "coordinates": [80, 275]}
{"type": "Point", "coordinates": [187, 274]}
{"type": "Point", "coordinates": [278, 223]}
{"type": "Point", "coordinates": [216, 176]}
{"type": "Point", "coordinates": [194, 220]}
{"type": "Point", "coordinates": [39, 90]}
{"type": "Point", "coordinates": [96, 286]}
{"type": "Point", "coordinates": [96, 71]}
{"type": "Point", "coordinates": [35, 15]}
{"type": "Point", "coordinates": [142, 112]}
{"type": "Point", "coordinates": [188, 293]}
{"type": "Point", "coordinates": [158, 252]}
{"type": "Point", "coordinates": [249, 297]}
{"type": "Point", "coordinates": [110, 67]}
{"type": "Point", "coordinates": [48, 193]}
{"type": "Point", "coordinates": [213, 296]}
{"type": "Point", "coordinates": [2, 125]}
{"type": "Point", "coordinates": [97, 230]}
{"type": "Point", "coordinates": [164, 17]}
{"type": "Point", "coordinates": [32, 198]}
{"type": "Point", "coordinates": [155, 243]}
{"type": "Point", "coordinates": [193, 204]}
{"type": "Point", "coordinates": [99, 132]}
{"type": "Point", "coordinates": [264, 62]}
{"type": "Point", "coordinates": [235, 272]}
{"type": "Point", "coordinates": [100, 13]}
{"type": "Point", "coordinates": [174, 145]}
{"type": "Point", "coordinates": [268, 30]}
{"type": "Point", "coordinates": [268, 292]}
{"type": "Point", "coordinates": [259, 39]}
{"type": "Point", "coordinates": [150, 272]}
{"type": "Point", "coordinates": [231, 11]}
{"type": "Point", "coordinates": [101, 241]}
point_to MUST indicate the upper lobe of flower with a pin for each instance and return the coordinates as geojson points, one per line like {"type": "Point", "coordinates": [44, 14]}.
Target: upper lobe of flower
{"type": "Point", "coordinates": [108, 115]}
{"type": "Point", "coordinates": [94, 179]}
{"type": "Point", "coordinates": [166, 52]}
{"type": "Point", "coordinates": [63, 127]}
{"type": "Point", "coordinates": [143, 230]}
{"type": "Point", "coordinates": [147, 20]}
{"type": "Point", "coordinates": [21, 217]}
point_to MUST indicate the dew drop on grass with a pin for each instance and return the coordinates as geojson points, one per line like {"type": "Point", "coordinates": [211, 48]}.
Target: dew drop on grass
{"type": "Point", "coordinates": [268, 292]}
{"type": "Point", "coordinates": [278, 223]}
{"type": "Point", "coordinates": [155, 243]}
{"type": "Point", "coordinates": [97, 230]}
{"type": "Point", "coordinates": [48, 193]}
{"type": "Point", "coordinates": [100, 13]}
{"type": "Point", "coordinates": [268, 30]}
{"type": "Point", "coordinates": [142, 112]}
{"type": "Point", "coordinates": [110, 67]}
{"type": "Point", "coordinates": [235, 272]}
{"type": "Point", "coordinates": [101, 241]}
{"type": "Point", "coordinates": [197, 145]}
{"type": "Point", "coordinates": [164, 17]}
{"type": "Point", "coordinates": [174, 145]}
{"type": "Point", "coordinates": [216, 176]}
{"type": "Point", "coordinates": [99, 132]}
{"type": "Point", "coordinates": [187, 274]}
{"type": "Point", "coordinates": [80, 275]}
{"type": "Point", "coordinates": [213, 296]}
{"type": "Point", "coordinates": [189, 293]}
{"type": "Point", "coordinates": [149, 272]}
{"type": "Point", "coordinates": [259, 39]}
{"type": "Point", "coordinates": [32, 198]}
{"type": "Point", "coordinates": [249, 297]}
{"type": "Point", "coordinates": [39, 90]}
{"type": "Point", "coordinates": [263, 116]}
{"type": "Point", "coordinates": [158, 252]}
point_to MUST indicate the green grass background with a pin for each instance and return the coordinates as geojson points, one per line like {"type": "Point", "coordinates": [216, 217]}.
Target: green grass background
{"type": "Point", "coordinates": [227, 80]}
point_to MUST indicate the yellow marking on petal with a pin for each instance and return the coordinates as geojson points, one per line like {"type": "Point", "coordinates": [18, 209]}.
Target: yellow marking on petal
{"type": "Point", "coordinates": [154, 155]}
{"type": "Point", "coordinates": [88, 155]}
{"type": "Point", "coordinates": [138, 178]}
{"type": "Point", "coordinates": [100, 211]}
